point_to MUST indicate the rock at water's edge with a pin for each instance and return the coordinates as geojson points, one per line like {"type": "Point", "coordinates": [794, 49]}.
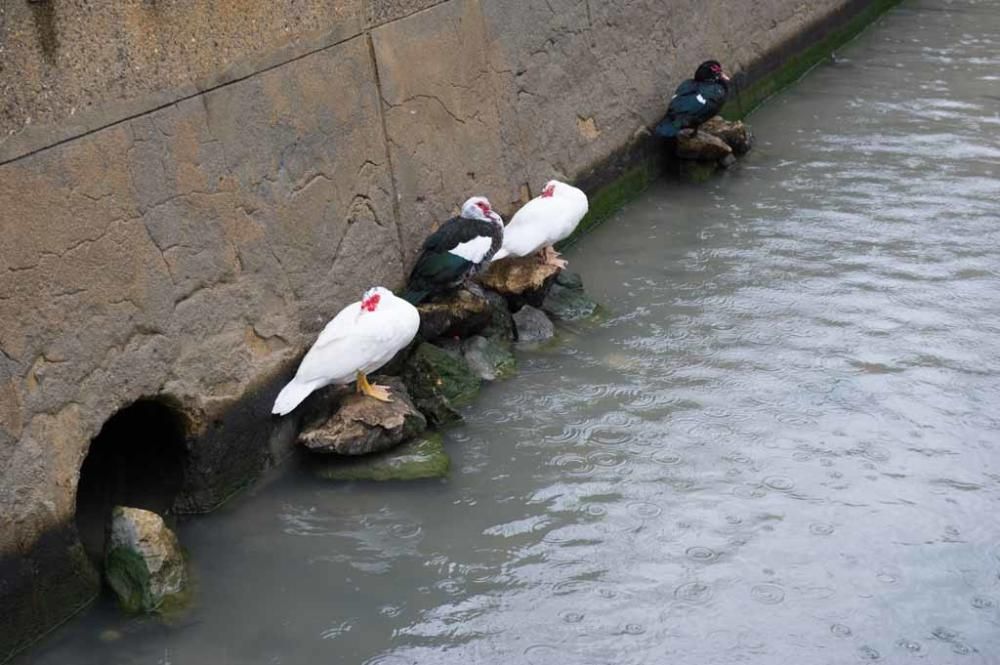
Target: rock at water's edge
{"type": "Point", "coordinates": [702, 147]}
{"type": "Point", "coordinates": [144, 564]}
{"type": "Point", "coordinates": [364, 425]}
{"type": "Point", "coordinates": [439, 380]}
{"type": "Point", "coordinates": [522, 281]}
{"type": "Point", "coordinates": [458, 314]}
{"type": "Point", "coordinates": [735, 134]}
{"type": "Point", "coordinates": [533, 325]}
{"type": "Point", "coordinates": [424, 457]}
{"type": "Point", "coordinates": [569, 304]}
{"type": "Point", "coordinates": [488, 358]}
{"type": "Point", "coordinates": [501, 326]}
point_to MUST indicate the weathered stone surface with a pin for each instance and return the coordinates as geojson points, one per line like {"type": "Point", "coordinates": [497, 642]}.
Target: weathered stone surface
{"type": "Point", "coordinates": [383, 11]}
{"type": "Point", "coordinates": [533, 325]}
{"type": "Point", "coordinates": [420, 458]}
{"type": "Point", "coordinates": [701, 146]}
{"type": "Point", "coordinates": [441, 114]}
{"type": "Point", "coordinates": [459, 314]}
{"type": "Point", "coordinates": [363, 425]}
{"type": "Point", "coordinates": [489, 358]}
{"type": "Point", "coordinates": [192, 252]}
{"type": "Point", "coordinates": [144, 564]}
{"type": "Point", "coordinates": [73, 67]}
{"type": "Point", "coordinates": [735, 134]}
{"type": "Point", "coordinates": [522, 281]}
{"type": "Point", "coordinates": [439, 380]}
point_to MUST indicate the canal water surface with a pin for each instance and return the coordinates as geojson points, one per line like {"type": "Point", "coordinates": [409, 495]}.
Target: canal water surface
{"type": "Point", "coordinates": [782, 444]}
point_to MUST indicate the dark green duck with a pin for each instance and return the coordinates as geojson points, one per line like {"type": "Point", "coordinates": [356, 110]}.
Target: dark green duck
{"type": "Point", "coordinates": [696, 100]}
{"type": "Point", "coordinates": [455, 251]}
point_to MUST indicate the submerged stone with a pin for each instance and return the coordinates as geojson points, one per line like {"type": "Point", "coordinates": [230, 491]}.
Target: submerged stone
{"type": "Point", "coordinates": [533, 325]}
{"type": "Point", "coordinates": [439, 380]}
{"type": "Point", "coordinates": [144, 564]}
{"type": "Point", "coordinates": [570, 280]}
{"type": "Point", "coordinates": [566, 299]}
{"type": "Point", "coordinates": [488, 358]}
{"type": "Point", "coordinates": [522, 281]}
{"type": "Point", "coordinates": [424, 457]}
{"type": "Point", "coordinates": [364, 425]}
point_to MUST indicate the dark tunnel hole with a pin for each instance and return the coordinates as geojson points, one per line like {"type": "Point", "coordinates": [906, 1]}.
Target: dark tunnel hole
{"type": "Point", "coordinates": [136, 460]}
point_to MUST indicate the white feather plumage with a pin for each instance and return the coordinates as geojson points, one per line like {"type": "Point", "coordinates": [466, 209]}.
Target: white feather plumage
{"type": "Point", "coordinates": [544, 221]}
{"type": "Point", "coordinates": [354, 341]}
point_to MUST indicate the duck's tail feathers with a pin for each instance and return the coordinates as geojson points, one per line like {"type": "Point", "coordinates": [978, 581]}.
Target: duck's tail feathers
{"type": "Point", "coordinates": [415, 297]}
{"type": "Point", "coordinates": [291, 396]}
{"type": "Point", "coordinates": [667, 129]}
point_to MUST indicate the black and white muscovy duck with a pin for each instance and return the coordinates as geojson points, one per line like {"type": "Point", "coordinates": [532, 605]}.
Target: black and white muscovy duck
{"type": "Point", "coordinates": [462, 245]}
{"type": "Point", "coordinates": [364, 336]}
{"type": "Point", "coordinates": [543, 221]}
{"type": "Point", "coordinates": [696, 100]}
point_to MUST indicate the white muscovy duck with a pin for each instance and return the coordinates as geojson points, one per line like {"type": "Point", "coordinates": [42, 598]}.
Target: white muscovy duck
{"type": "Point", "coordinates": [364, 336]}
{"type": "Point", "coordinates": [544, 221]}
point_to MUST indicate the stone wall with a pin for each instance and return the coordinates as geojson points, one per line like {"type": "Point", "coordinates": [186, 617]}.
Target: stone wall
{"type": "Point", "coordinates": [189, 190]}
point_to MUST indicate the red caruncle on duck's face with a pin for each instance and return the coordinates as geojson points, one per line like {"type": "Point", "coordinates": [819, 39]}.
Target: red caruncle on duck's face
{"type": "Point", "coordinates": [371, 302]}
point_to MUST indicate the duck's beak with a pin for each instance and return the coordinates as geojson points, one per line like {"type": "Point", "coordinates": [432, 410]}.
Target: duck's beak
{"type": "Point", "coordinates": [496, 217]}
{"type": "Point", "coordinates": [725, 78]}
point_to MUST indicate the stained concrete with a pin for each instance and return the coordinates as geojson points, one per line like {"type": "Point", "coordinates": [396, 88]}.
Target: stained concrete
{"type": "Point", "coordinates": [190, 190]}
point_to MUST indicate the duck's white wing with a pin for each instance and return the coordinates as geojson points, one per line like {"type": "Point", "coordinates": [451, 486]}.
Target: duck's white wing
{"type": "Point", "coordinates": [530, 227]}
{"type": "Point", "coordinates": [330, 359]}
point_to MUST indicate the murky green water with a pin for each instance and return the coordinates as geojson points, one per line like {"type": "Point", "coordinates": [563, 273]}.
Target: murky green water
{"type": "Point", "coordinates": [783, 446]}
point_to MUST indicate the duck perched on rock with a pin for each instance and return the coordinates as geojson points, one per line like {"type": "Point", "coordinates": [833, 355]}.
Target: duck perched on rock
{"type": "Point", "coordinates": [695, 100]}
{"type": "Point", "coordinates": [459, 248]}
{"type": "Point", "coordinates": [364, 336]}
{"type": "Point", "coordinates": [543, 221]}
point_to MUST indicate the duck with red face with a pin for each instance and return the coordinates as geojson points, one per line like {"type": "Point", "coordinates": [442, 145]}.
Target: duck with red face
{"type": "Point", "coordinates": [461, 247]}
{"type": "Point", "coordinates": [543, 221]}
{"type": "Point", "coordinates": [364, 336]}
{"type": "Point", "coordinates": [695, 100]}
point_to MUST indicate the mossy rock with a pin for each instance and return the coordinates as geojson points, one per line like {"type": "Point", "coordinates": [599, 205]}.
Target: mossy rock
{"type": "Point", "coordinates": [128, 577]}
{"type": "Point", "coordinates": [421, 458]}
{"type": "Point", "coordinates": [438, 381]}
{"type": "Point", "coordinates": [144, 564]}
{"type": "Point", "coordinates": [569, 304]}
{"type": "Point", "coordinates": [490, 359]}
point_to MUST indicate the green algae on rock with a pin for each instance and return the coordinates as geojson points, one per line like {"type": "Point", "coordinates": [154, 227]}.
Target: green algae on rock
{"type": "Point", "coordinates": [438, 381]}
{"type": "Point", "coordinates": [421, 458]}
{"type": "Point", "coordinates": [489, 358]}
{"type": "Point", "coordinates": [144, 564]}
{"type": "Point", "coordinates": [566, 299]}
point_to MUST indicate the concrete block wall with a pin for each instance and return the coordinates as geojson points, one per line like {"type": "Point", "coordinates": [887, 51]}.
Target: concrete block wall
{"type": "Point", "coordinates": [189, 190]}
